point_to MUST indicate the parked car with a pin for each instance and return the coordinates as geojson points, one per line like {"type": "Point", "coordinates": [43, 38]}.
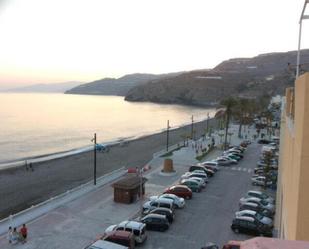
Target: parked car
{"type": "Point", "coordinates": [208, 172]}
{"type": "Point", "coordinates": [264, 141]}
{"type": "Point", "coordinates": [232, 156]}
{"type": "Point", "coordinates": [134, 227]}
{"type": "Point", "coordinates": [102, 244]}
{"type": "Point", "coordinates": [257, 216]}
{"type": "Point", "coordinates": [223, 161]}
{"type": "Point", "coordinates": [199, 174]}
{"type": "Point", "coordinates": [210, 165]}
{"type": "Point", "coordinates": [156, 222]}
{"type": "Point", "coordinates": [160, 202]}
{"type": "Point", "coordinates": [232, 161]}
{"type": "Point", "coordinates": [261, 202]}
{"type": "Point", "coordinates": [179, 190]}
{"type": "Point", "coordinates": [260, 181]}
{"type": "Point", "coordinates": [235, 150]}
{"type": "Point", "coordinates": [120, 237]}
{"type": "Point", "coordinates": [257, 208]}
{"type": "Point", "coordinates": [170, 215]}
{"type": "Point", "coordinates": [179, 202]}
{"type": "Point", "coordinates": [261, 195]}
{"type": "Point", "coordinates": [199, 180]}
{"type": "Point", "coordinates": [193, 185]}
{"type": "Point", "coordinates": [250, 226]}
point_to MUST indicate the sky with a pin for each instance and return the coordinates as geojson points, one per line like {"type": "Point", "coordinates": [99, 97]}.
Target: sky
{"type": "Point", "coordinates": [52, 41]}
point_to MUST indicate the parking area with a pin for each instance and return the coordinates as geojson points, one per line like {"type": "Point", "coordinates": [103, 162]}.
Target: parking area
{"type": "Point", "coordinates": [208, 215]}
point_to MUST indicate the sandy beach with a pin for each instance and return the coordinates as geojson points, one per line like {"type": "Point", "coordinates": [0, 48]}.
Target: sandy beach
{"type": "Point", "coordinates": [21, 188]}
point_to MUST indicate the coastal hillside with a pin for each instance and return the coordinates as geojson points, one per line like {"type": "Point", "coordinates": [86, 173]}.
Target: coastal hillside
{"type": "Point", "coordinates": [265, 74]}
{"type": "Point", "coordinates": [113, 86]}
{"type": "Point", "coordinates": [45, 88]}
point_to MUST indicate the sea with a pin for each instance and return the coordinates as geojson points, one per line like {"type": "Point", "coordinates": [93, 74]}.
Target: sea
{"type": "Point", "coordinates": [34, 125]}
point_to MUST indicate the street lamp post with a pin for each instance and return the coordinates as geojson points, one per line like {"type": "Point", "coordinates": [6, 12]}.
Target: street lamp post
{"type": "Point", "coordinates": [302, 17]}
{"type": "Point", "coordinates": [167, 134]}
{"type": "Point", "coordinates": [94, 140]}
{"type": "Point", "coordinates": [192, 127]}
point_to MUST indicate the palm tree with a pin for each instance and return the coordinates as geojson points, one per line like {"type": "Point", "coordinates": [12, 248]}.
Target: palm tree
{"type": "Point", "coordinates": [229, 105]}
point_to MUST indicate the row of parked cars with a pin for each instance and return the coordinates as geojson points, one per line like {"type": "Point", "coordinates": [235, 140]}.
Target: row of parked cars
{"type": "Point", "coordinates": [256, 208]}
{"type": "Point", "coordinates": [159, 211]}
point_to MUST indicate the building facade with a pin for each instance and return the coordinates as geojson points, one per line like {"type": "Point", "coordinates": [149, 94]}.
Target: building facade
{"type": "Point", "coordinates": [292, 219]}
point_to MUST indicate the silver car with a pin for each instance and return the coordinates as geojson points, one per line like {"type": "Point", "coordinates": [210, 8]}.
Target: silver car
{"type": "Point", "coordinates": [178, 201]}
{"type": "Point", "coordinates": [264, 204]}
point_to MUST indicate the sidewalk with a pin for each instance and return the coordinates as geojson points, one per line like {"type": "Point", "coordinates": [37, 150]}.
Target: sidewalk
{"type": "Point", "coordinates": [81, 221]}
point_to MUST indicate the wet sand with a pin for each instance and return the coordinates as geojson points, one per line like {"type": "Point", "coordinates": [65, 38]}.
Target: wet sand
{"type": "Point", "coordinates": [21, 188]}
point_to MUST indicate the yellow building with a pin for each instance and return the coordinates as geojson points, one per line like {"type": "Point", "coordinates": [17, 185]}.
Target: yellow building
{"type": "Point", "coordinates": [292, 218]}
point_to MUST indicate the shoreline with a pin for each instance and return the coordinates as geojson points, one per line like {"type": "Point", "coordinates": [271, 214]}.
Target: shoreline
{"type": "Point", "coordinates": [74, 151]}
{"type": "Point", "coordinates": [21, 188]}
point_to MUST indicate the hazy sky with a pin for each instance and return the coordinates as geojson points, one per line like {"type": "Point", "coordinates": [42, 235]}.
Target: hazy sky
{"type": "Point", "coordinates": [49, 41]}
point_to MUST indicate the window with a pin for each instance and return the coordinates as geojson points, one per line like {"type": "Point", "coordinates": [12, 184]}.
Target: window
{"type": "Point", "coordinates": [120, 229]}
{"type": "Point", "coordinates": [251, 225]}
{"type": "Point", "coordinates": [155, 204]}
{"type": "Point", "coordinates": [136, 232]}
{"type": "Point", "coordinates": [128, 229]}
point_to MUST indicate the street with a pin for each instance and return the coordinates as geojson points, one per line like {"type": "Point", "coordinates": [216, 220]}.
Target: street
{"type": "Point", "coordinates": [208, 216]}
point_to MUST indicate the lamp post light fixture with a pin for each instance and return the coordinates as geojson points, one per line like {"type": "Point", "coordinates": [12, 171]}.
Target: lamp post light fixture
{"type": "Point", "coordinates": [302, 17]}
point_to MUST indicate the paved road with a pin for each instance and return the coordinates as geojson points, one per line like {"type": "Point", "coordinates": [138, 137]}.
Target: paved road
{"type": "Point", "coordinates": [207, 217]}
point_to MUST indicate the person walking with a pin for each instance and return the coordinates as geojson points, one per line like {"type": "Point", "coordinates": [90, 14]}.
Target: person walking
{"type": "Point", "coordinates": [10, 235]}
{"type": "Point", "coordinates": [24, 232]}
{"type": "Point", "coordinates": [15, 236]}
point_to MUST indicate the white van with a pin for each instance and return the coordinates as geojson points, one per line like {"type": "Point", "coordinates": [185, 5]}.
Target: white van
{"type": "Point", "coordinates": [160, 202]}
{"type": "Point", "coordinates": [135, 227]}
{"type": "Point", "coordinates": [102, 244]}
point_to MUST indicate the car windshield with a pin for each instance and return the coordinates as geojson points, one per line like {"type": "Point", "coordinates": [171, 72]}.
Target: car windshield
{"type": "Point", "coordinates": [264, 196]}
{"type": "Point", "coordinates": [258, 216]}
{"type": "Point", "coordinates": [264, 202]}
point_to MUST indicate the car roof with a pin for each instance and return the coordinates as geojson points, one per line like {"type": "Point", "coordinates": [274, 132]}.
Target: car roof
{"type": "Point", "coordinates": [133, 224]}
{"type": "Point", "coordinates": [180, 186]}
{"type": "Point", "coordinates": [169, 195]}
{"type": "Point", "coordinates": [102, 244]}
{"type": "Point", "coordinates": [163, 200]}
{"type": "Point", "coordinates": [118, 233]}
{"type": "Point", "coordinates": [255, 191]}
{"type": "Point", "coordinates": [246, 218]}
{"type": "Point", "coordinates": [162, 209]}
{"type": "Point", "coordinates": [160, 216]}
{"type": "Point", "coordinates": [248, 199]}
{"type": "Point", "coordinates": [250, 204]}
{"type": "Point", "coordinates": [247, 211]}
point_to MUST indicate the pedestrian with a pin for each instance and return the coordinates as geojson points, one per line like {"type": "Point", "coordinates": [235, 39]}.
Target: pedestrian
{"type": "Point", "coordinates": [24, 232]}
{"type": "Point", "coordinates": [30, 166]}
{"type": "Point", "coordinates": [26, 164]}
{"type": "Point", "coordinates": [15, 236]}
{"type": "Point", "coordinates": [10, 235]}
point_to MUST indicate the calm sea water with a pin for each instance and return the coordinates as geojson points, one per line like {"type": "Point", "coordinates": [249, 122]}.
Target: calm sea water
{"type": "Point", "coordinates": [37, 124]}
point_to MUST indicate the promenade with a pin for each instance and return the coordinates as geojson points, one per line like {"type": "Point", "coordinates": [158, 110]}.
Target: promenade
{"type": "Point", "coordinates": [80, 221]}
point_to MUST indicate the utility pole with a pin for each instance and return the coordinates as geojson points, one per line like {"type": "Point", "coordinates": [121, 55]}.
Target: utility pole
{"type": "Point", "coordinates": [94, 140]}
{"type": "Point", "coordinates": [192, 127]}
{"type": "Point", "coordinates": [207, 124]}
{"type": "Point", "coordinates": [167, 134]}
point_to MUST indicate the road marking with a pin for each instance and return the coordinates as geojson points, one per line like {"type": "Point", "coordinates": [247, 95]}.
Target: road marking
{"type": "Point", "coordinates": [249, 170]}
{"type": "Point", "coordinates": [244, 169]}
{"type": "Point", "coordinates": [239, 168]}
{"type": "Point", "coordinates": [233, 168]}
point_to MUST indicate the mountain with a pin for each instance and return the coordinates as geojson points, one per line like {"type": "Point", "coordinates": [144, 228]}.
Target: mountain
{"type": "Point", "coordinates": [46, 88]}
{"type": "Point", "coordinates": [265, 74]}
{"type": "Point", "coordinates": [112, 86]}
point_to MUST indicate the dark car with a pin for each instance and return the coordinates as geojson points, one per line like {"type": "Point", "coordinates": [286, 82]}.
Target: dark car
{"type": "Point", "coordinates": [209, 172]}
{"type": "Point", "coordinates": [250, 226]}
{"type": "Point", "coordinates": [264, 141]}
{"type": "Point", "coordinates": [180, 191]}
{"type": "Point", "coordinates": [164, 211]}
{"type": "Point", "coordinates": [257, 208]}
{"type": "Point", "coordinates": [156, 222]}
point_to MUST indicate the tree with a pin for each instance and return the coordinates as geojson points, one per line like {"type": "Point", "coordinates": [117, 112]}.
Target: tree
{"type": "Point", "coordinates": [229, 105]}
